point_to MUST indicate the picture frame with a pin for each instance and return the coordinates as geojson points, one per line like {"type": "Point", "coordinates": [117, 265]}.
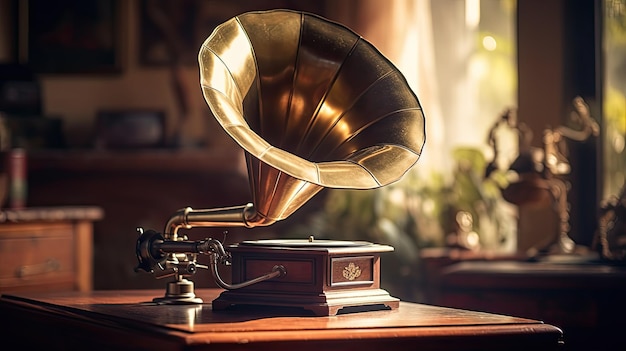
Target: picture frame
{"type": "Point", "coordinates": [171, 32]}
{"type": "Point", "coordinates": [70, 37]}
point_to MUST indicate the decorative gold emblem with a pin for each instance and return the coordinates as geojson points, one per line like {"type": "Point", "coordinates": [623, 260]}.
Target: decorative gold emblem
{"type": "Point", "coordinates": [351, 271]}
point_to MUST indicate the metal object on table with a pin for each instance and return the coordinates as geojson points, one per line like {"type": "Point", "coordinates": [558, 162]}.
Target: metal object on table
{"type": "Point", "coordinates": [313, 105]}
{"type": "Point", "coordinates": [610, 235]}
{"type": "Point", "coordinates": [540, 175]}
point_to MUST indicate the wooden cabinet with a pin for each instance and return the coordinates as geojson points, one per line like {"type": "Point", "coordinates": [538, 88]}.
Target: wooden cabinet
{"type": "Point", "coordinates": [143, 188]}
{"type": "Point", "coordinates": [47, 249]}
{"type": "Point", "coordinates": [140, 188]}
{"type": "Point", "coordinates": [585, 299]}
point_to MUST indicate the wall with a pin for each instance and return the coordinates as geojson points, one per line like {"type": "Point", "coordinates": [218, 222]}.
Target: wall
{"type": "Point", "coordinates": [558, 59]}
{"type": "Point", "coordinates": [77, 99]}
{"type": "Point", "coordinates": [6, 28]}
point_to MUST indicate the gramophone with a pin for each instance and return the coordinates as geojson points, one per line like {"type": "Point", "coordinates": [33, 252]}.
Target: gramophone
{"type": "Point", "coordinates": [313, 105]}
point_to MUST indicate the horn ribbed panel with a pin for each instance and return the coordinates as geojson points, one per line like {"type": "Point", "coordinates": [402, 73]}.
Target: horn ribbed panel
{"type": "Point", "coordinates": [313, 105]}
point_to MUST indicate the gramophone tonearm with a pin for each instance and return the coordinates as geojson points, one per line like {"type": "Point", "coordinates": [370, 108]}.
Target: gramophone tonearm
{"type": "Point", "coordinates": [153, 250]}
{"type": "Point", "coordinates": [170, 255]}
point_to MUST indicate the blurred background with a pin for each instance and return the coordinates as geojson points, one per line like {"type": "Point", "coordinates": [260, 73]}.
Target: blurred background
{"type": "Point", "coordinates": [104, 96]}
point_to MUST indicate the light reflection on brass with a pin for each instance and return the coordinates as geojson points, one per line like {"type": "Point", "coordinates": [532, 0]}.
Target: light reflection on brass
{"type": "Point", "coordinates": [312, 104]}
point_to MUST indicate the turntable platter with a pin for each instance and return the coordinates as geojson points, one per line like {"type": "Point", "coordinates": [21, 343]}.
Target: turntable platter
{"type": "Point", "coordinates": [304, 243]}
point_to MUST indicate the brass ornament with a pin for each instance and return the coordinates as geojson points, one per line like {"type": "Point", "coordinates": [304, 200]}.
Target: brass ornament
{"type": "Point", "coordinates": [351, 271]}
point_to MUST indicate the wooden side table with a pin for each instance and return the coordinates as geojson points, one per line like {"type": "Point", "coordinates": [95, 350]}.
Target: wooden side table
{"type": "Point", "coordinates": [47, 249]}
{"type": "Point", "coordinates": [585, 300]}
{"type": "Point", "coordinates": [129, 320]}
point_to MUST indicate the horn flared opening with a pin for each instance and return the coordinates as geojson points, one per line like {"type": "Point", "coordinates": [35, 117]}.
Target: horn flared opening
{"type": "Point", "coordinates": [312, 104]}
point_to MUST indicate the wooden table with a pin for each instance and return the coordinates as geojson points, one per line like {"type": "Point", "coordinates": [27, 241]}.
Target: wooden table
{"type": "Point", "coordinates": [128, 320]}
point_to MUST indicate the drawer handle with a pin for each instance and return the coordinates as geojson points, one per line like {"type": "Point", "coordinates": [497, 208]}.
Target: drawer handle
{"type": "Point", "coordinates": [51, 265]}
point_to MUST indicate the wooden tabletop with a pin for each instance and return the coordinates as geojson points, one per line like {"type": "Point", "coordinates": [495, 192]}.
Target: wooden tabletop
{"type": "Point", "coordinates": [130, 320]}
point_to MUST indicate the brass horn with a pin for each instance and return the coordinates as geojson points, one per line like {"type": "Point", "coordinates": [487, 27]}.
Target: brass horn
{"type": "Point", "coordinates": [312, 104]}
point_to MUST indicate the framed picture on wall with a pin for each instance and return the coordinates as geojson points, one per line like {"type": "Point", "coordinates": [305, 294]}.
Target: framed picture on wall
{"type": "Point", "coordinates": [171, 32]}
{"type": "Point", "coordinates": [70, 36]}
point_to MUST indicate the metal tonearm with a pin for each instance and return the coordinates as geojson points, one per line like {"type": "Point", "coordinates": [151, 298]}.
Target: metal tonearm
{"type": "Point", "coordinates": [166, 258]}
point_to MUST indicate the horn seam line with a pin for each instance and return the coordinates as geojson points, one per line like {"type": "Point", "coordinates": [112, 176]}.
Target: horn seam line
{"type": "Point", "coordinates": [293, 83]}
{"type": "Point", "coordinates": [258, 85]}
{"type": "Point", "coordinates": [355, 134]}
{"type": "Point", "coordinates": [325, 97]}
{"type": "Point", "coordinates": [343, 113]}
{"type": "Point", "coordinates": [224, 95]}
{"type": "Point", "coordinates": [293, 196]}
{"type": "Point", "coordinates": [230, 73]}
{"type": "Point", "coordinates": [366, 170]}
{"type": "Point", "coordinates": [257, 73]}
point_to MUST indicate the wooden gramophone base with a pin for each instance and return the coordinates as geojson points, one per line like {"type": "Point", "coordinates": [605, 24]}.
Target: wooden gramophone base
{"type": "Point", "coordinates": [323, 278]}
{"type": "Point", "coordinates": [327, 304]}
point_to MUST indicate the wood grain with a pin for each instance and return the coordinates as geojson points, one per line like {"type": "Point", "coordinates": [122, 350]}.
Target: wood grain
{"type": "Point", "coordinates": [129, 320]}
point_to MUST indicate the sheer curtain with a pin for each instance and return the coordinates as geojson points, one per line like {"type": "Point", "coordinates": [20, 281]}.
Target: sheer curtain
{"type": "Point", "coordinates": [434, 44]}
{"type": "Point", "coordinates": [458, 56]}
{"type": "Point", "coordinates": [402, 30]}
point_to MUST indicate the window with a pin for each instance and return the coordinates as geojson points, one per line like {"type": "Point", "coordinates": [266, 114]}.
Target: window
{"type": "Point", "coordinates": [614, 100]}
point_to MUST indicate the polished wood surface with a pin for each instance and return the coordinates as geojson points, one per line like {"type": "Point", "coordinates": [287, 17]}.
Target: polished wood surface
{"type": "Point", "coordinates": [130, 320]}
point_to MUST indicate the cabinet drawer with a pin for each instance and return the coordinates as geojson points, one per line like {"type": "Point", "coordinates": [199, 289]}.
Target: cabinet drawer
{"type": "Point", "coordinates": [37, 256]}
